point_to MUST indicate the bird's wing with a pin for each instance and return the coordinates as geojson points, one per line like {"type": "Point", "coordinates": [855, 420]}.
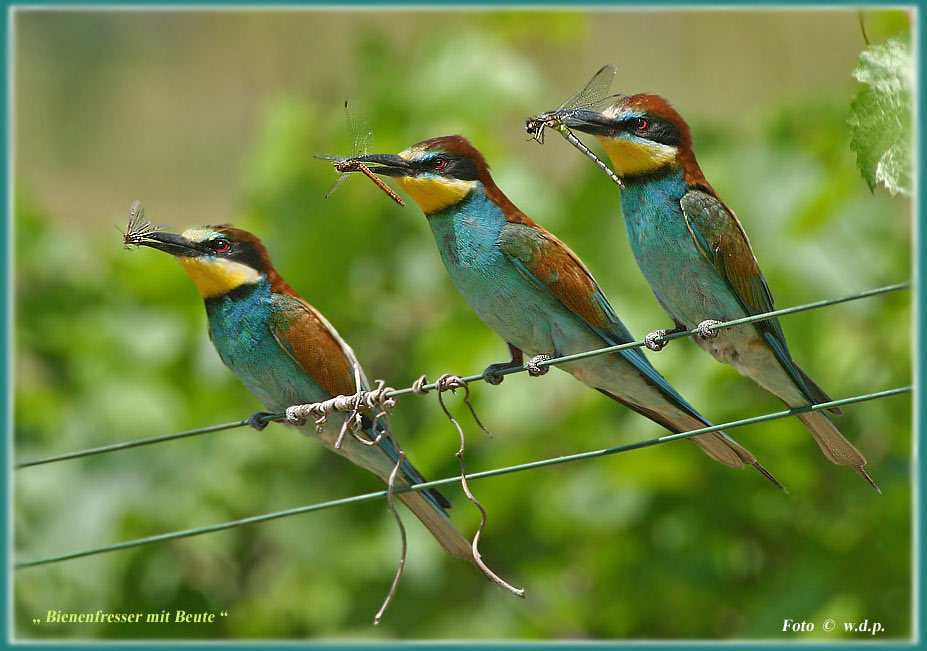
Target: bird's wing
{"type": "Point", "coordinates": [722, 241]}
{"type": "Point", "coordinates": [315, 345]}
{"type": "Point", "coordinates": [552, 266]}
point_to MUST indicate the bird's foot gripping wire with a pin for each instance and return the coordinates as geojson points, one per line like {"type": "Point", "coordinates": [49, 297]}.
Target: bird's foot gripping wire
{"type": "Point", "coordinates": [650, 340]}
{"type": "Point", "coordinates": [259, 420]}
{"type": "Point", "coordinates": [704, 329]}
{"type": "Point", "coordinates": [656, 346]}
{"type": "Point", "coordinates": [489, 374]}
{"type": "Point", "coordinates": [532, 365]}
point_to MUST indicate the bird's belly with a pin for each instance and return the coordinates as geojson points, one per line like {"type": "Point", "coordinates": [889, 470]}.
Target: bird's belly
{"type": "Point", "coordinates": [692, 292]}
{"type": "Point", "coordinates": [687, 287]}
{"type": "Point", "coordinates": [508, 303]}
{"type": "Point", "coordinates": [685, 284]}
{"type": "Point", "coordinates": [745, 349]}
{"type": "Point", "coordinates": [740, 346]}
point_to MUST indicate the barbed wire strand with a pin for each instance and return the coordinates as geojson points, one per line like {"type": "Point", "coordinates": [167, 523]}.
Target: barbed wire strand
{"type": "Point", "coordinates": [451, 383]}
{"type": "Point", "coordinates": [421, 387]}
{"type": "Point", "coordinates": [678, 335]}
{"type": "Point", "coordinates": [390, 492]}
{"type": "Point", "coordinates": [187, 533]}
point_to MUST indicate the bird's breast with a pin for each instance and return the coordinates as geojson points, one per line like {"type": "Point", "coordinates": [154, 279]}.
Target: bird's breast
{"type": "Point", "coordinates": [488, 281]}
{"type": "Point", "coordinates": [683, 281]}
{"type": "Point", "coordinates": [243, 335]}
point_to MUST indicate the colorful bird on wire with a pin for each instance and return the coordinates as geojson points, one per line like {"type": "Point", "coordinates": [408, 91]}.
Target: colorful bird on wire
{"type": "Point", "coordinates": [532, 289]}
{"type": "Point", "coordinates": [287, 354]}
{"type": "Point", "coordinates": [696, 257]}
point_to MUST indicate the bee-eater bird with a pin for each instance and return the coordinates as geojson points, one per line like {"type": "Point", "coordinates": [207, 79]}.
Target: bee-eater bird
{"type": "Point", "coordinates": [696, 256]}
{"type": "Point", "coordinates": [532, 289]}
{"type": "Point", "coordinates": [287, 353]}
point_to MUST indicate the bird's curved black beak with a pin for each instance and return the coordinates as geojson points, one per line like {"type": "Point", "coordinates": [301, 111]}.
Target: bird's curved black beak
{"type": "Point", "coordinates": [591, 122]}
{"type": "Point", "coordinates": [167, 242]}
{"type": "Point", "coordinates": [387, 164]}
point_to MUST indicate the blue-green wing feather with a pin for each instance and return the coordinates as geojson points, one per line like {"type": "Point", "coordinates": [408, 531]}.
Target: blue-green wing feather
{"type": "Point", "coordinates": [552, 266]}
{"type": "Point", "coordinates": [724, 244]}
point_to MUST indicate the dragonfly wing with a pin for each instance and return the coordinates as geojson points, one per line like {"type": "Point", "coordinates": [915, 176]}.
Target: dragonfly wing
{"type": "Point", "coordinates": [337, 184]}
{"type": "Point", "coordinates": [594, 91]}
{"type": "Point", "coordinates": [361, 135]}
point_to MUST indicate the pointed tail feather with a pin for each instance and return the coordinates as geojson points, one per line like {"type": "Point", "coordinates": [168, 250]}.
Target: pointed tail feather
{"type": "Point", "coordinates": [439, 525]}
{"type": "Point", "coordinates": [833, 444]}
{"type": "Point", "coordinates": [770, 477]}
{"type": "Point", "coordinates": [717, 445]}
{"type": "Point", "coordinates": [721, 447]}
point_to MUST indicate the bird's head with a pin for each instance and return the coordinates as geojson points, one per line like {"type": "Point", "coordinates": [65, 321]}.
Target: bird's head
{"type": "Point", "coordinates": [219, 259]}
{"type": "Point", "coordinates": [642, 134]}
{"type": "Point", "coordinates": [436, 173]}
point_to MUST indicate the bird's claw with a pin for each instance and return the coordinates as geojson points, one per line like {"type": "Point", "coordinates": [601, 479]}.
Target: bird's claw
{"type": "Point", "coordinates": [489, 375]}
{"type": "Point", "coordinates": [704, 329]}
{"type": "Point", "coordinates": [257, 420]}
{"type": "Point", "coordinates": [651, 340]}
{"type": "Point", "coordinates": [532, 365]}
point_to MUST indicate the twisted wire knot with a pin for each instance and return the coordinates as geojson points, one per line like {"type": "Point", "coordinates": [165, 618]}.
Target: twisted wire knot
{"type": "Point", "coordinates": [377, 399]}
{"type": "Point", "coordinates": [449, 382]}
{"type": "Point", "coordinates": [418, 387]}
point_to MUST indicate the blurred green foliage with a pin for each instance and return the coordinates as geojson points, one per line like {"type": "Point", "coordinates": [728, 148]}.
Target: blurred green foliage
{"type": "Point", "coordinates": [659, 543]}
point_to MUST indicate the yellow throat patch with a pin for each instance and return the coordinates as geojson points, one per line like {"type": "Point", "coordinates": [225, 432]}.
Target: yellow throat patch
{"type": "Point", "coordinates": [217, 276]}
{"type": "Point", "coordinates": [433, 194]}
{"type": "Point", "coordinates": [630, 158]}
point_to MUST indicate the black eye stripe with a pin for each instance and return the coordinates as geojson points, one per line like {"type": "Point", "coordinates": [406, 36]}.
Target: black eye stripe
{"type": "Point", "coordinates": [457, 168]}
{"type": "Point", "coordinates": [659, 131]}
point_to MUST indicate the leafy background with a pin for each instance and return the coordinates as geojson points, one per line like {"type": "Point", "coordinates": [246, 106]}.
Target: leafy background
{"type": "Point", "coordinates": [211, 117]}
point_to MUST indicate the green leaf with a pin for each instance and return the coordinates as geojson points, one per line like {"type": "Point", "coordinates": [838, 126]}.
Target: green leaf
{"type": "Point", "coordinates": [880, 115]}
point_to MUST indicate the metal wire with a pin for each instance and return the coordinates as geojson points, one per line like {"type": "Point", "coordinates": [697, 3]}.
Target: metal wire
{"type": "Point", "coordinates": [476, 378]}
{"type": "Point", "coordinates": [678, 335]}
{"type": "Point", "coordinates": [187, 533]}
{"type": "Point", "coordinates": [131, 444]}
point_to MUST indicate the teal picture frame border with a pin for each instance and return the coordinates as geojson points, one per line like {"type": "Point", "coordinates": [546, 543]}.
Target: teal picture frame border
{"type": "Point", "coordinates": [919, 531]}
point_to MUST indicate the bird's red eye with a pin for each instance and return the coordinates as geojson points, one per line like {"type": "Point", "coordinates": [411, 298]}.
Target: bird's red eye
{"type": "Point", "coordinates": [440, 163]}
{"type": "Point", "coordinates": [642, 124]}
{"type": "Point", "coordinates": [222, 246]}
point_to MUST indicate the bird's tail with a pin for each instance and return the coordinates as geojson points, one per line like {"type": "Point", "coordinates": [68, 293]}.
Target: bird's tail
{"type": "Point", "coordinates": [721, 447]}
{"type": "Point", "coordinates": [717, 445]}
{"type": "Point", "coordinates": [834, 445]}
{"type": "Point", "coordinates": [437, 522]}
